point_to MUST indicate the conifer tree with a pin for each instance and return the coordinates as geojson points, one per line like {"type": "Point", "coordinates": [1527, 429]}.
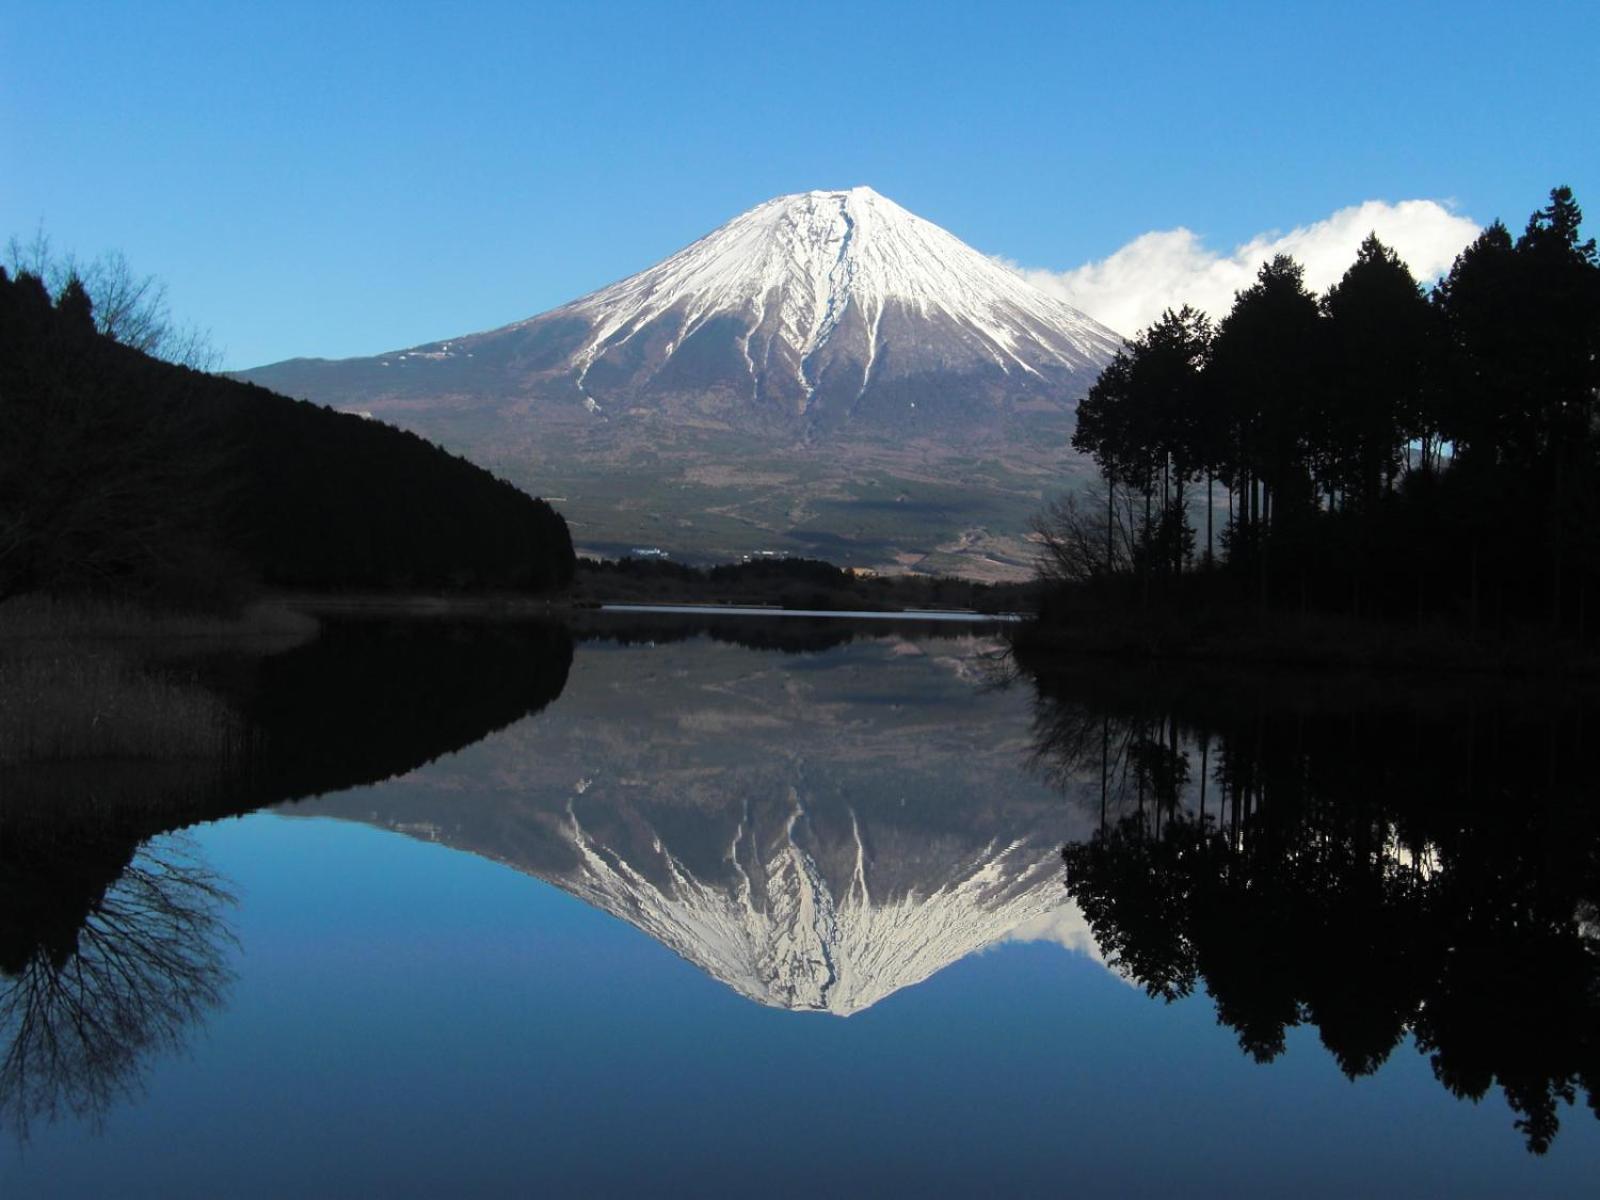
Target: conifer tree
{"type": "Point", "coordinates": [1379, 327]}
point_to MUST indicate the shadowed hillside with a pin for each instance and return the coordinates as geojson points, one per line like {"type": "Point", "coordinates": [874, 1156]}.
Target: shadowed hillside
{"type": "Point", "coordinates": [125, 475]}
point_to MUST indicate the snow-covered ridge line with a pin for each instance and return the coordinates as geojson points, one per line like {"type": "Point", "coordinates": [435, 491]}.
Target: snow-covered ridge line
{"type": "Point", "coordinates": [791, 270]}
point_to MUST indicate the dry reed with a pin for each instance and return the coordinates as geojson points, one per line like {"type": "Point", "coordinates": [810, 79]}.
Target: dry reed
{"type": "Point", "coordinates": [72, 702]}
{"type": "Point", "coordinates": [27, 622]}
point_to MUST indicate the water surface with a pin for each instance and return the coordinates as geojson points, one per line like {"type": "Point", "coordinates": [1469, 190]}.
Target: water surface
{"type": "Point", "coordinates": [667, 914]}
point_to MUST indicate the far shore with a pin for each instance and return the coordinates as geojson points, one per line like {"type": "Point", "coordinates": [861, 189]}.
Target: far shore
{"type": "Point", "coordinates": [767, 610]}
{"type": "Point", "coordinates": [533, 607]}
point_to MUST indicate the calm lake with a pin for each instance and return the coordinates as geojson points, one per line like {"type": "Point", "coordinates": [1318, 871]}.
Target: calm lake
{"type": "Point", "coordinates": [696, 906]}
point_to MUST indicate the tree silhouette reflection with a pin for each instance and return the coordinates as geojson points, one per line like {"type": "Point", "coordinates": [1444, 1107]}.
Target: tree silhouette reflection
{"type": "Point", "coordinates": [85, 1003]}
{"type": "Point", "coordinates": [112, 939]}
{"type": "Point", "coordinates": [1374, 867]}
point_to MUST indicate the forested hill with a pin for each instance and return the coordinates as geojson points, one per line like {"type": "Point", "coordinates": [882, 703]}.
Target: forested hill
{"type": "Point", "coordinates": [122, 473]}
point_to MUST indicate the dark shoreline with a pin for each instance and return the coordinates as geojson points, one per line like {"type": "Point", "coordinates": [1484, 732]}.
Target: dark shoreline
{"type": "Point", "coordinates": [317, 604]}
{"type": "Point", "coordinates": [1311, 644]}
{"type": "Point", "coordinates": [1202, 639]}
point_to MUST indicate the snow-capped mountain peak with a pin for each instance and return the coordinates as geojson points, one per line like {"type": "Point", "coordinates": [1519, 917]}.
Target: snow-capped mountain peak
{"type": "Point", "coordinates": [802, 273]}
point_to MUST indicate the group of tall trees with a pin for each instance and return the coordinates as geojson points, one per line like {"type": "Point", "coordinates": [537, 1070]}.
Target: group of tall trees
{"type": "Point", "coordinates": [1380, 449]}
{"type": "Point", "coordinates": [124, 474]}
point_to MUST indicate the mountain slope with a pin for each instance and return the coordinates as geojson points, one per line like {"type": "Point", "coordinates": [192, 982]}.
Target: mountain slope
{"type": "Point", "coordinates": [817, 346]}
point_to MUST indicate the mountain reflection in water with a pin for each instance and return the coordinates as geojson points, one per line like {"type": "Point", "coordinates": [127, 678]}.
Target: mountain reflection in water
{"type": "Point", "coordinates": [1376, 861]}
{"type": "Point", "coordinates": [815, 833]}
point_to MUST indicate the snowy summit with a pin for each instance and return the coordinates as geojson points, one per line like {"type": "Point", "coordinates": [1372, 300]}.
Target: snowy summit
{"type": "Point", "coordinates": [828, 283]}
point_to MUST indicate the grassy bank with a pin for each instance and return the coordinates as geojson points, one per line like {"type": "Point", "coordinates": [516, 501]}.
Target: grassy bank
{"type": "Point", "coordinates": [86, 680]}
{"type": "Point", "coordinates": [77, 702]}
{"type": "Point", "coordinates": [30, 622]}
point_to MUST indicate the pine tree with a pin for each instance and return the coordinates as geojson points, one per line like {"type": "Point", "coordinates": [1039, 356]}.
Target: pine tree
{"type": "Point", "coordinates": [1379, 327]}
{"type": "Point", "coordinates": [75, 304]}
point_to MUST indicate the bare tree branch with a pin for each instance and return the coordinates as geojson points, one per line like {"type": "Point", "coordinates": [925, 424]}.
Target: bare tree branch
{"type": "Point", "coordinates": [128, 307]}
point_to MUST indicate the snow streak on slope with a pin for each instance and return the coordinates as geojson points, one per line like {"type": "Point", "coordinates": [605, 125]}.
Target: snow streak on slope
{"type": "Point", "coordinates": [782, 935]}
{"type": "Point", "coordinates": [791, 271]}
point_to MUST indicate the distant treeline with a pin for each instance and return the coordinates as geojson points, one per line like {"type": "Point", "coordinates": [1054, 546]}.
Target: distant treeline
{"type": "Point", "coordinates": [1378, 451]}
{"type": "Point", "coordinates": [789, 583]}
{"type": "Point", "coordinates": [123, 474]}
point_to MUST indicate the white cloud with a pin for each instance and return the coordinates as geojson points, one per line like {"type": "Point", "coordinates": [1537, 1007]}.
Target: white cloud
{"type": "Point", "coordinates": [1064, 926]}
{"type": "Point", "coordinates": [1173, 267]}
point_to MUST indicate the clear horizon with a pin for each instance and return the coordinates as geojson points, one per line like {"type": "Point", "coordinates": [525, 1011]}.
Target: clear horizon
{"type": "Point", "coordinates": [332, 184]}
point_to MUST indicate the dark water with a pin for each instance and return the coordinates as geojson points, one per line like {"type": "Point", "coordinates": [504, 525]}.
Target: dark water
{"type": "Point", "coordinates": [691, 909]}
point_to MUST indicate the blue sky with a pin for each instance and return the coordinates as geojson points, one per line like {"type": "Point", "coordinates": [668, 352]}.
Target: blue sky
{"type": "Point", "coordinates": [346, 178]}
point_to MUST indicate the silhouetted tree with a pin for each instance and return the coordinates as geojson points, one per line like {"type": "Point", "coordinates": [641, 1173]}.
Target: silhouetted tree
{"type": "Point", "coordinates": [1105, 434]}
{"type": "Point", "coordinates": [1140, 424]}
{"type": "Point", "coordinates": [1265, 368]}
{"type": "Point", "coordinates": [1380, 328]}
{"type": "Point", "coordinates": [75, 304]}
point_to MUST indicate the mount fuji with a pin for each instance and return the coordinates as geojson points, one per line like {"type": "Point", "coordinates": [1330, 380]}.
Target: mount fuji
{"type": "Point", "coordinates": [820, 352]}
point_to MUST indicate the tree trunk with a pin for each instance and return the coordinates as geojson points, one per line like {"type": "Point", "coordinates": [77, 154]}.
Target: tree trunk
{"type": "Point", "coordinates": [1211, 487]}
{"type": "Point", "coordinates": [1111, 524]}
